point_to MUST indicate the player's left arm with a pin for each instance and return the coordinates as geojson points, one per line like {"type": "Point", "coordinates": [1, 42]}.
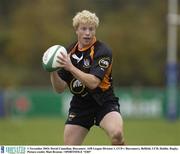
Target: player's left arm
{"type": "Point", "coordinates": [102, 62]}
{"type": "Point", "coordinates": [89, 80]}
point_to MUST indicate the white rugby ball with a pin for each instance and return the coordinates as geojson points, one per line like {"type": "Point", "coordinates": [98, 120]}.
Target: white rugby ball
{"type": "Point", "coordinates": [49, 60]}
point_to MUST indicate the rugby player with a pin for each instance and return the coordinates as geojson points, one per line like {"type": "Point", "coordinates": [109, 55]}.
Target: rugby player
{"type": "Point", "coordinates": [86, 70]}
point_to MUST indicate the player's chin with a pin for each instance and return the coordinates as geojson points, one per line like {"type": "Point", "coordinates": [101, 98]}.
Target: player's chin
{"type": "Point", "coordinates": [86, 42]}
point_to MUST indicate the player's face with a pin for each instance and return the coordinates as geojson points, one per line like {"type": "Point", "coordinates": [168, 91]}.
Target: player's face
{"type": "Point", "coordinates": [85, 34]}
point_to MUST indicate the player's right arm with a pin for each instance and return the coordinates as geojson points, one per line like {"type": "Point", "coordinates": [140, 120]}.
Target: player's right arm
{"type": "Point", "coordinates": [58, 84]}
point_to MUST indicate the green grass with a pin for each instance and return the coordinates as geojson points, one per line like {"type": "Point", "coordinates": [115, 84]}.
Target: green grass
{"type": "Point", "coordinates": [50, 132]}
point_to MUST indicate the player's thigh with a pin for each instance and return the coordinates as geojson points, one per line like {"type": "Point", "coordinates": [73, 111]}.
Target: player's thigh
{"type": "Point", "coordinates": [74, 134]}
{"type": "Point", "coordinates": [112, 122]}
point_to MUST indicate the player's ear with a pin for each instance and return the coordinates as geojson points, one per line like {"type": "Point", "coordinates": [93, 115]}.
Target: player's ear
{"type": "Point", "coordinates": [76, 31]}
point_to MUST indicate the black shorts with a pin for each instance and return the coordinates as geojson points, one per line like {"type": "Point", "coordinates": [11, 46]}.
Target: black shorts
{"type": "Point", "coordinates": [89, 113]}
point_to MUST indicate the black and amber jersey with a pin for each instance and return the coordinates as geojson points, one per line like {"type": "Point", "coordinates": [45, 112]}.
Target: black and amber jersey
{"type": "Point", "coordinates": [96, 60]}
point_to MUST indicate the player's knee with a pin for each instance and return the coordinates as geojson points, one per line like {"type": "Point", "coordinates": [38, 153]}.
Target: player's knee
{"type": "Point", "coordinates": [67, 141]}
{"type": "Point", "coordinates": [117, 137]}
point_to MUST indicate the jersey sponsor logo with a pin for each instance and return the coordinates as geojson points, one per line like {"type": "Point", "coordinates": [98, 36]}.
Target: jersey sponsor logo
{"type": "Point", "coordinates": [77, 58]}
{"type": "Point", "coordinates": [104, 62]}
{"type": "Point", "coordinates": [76, 86]}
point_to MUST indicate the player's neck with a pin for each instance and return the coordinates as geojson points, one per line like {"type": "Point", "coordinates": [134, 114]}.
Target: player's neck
{"type": "Point", "coordinates": [83, 48]}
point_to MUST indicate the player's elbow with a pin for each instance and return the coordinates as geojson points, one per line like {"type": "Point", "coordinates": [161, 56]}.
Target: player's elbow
{"type": "Point", "coordinates": [58, 90]}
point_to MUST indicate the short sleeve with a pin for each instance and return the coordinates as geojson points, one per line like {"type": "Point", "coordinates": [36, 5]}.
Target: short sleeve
{"type": "Point", "coordinates": [101, 62]}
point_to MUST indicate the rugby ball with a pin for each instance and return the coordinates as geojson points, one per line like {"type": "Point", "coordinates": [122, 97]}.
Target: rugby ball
{"type": "Point", "coordinates": [49, 60]}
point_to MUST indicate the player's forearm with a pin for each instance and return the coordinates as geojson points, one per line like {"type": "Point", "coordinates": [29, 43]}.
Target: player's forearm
{"type": "Point", "coordinates": [87, 79]}
{"type": "Point", "coordinates": [57, 83]}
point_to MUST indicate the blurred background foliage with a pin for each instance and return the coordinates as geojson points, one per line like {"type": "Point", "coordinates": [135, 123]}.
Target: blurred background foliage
{"type": "Point", "coordinates": [135, 29]}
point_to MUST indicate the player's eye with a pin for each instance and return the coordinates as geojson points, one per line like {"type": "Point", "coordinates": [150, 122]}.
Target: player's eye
{"type": "Point", "coordinates": [83, 28]}
{"type": "Point", "coordinates": [91, 29]}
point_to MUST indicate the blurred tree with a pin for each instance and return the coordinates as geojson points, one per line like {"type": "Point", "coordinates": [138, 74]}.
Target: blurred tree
{"type": "Point", "coordinates": [135, 30]}
{"type": "Point", "coordinates": [101, 7]}
{"type": "Point", "coordinates": [138, 41]}
{"type": "Point", "coordinates": [35, 25]}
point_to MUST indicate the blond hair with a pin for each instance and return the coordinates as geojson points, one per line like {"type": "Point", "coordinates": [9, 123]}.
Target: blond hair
{"type": "Point", "coordinates": [84, 17]}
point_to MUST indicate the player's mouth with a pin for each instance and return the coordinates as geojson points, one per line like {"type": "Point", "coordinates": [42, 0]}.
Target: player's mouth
{"type": "Point", "coordinates": [87, 39]}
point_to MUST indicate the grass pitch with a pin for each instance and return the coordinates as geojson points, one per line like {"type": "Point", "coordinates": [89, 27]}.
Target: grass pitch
{"type": "Point", "coordinates": [49, 131]}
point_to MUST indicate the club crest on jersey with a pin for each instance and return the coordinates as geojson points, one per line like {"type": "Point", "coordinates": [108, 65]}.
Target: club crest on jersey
{"type": "Point", "coordinates": [104, 62]}
{"type": "Point", "coordinates": [76, 86]}
{"type": "Point", "coordinates": [86, 63]}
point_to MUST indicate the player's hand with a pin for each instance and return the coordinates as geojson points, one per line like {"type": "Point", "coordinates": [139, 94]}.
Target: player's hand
{"type": "Point", "coordinates": [65, 61]}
